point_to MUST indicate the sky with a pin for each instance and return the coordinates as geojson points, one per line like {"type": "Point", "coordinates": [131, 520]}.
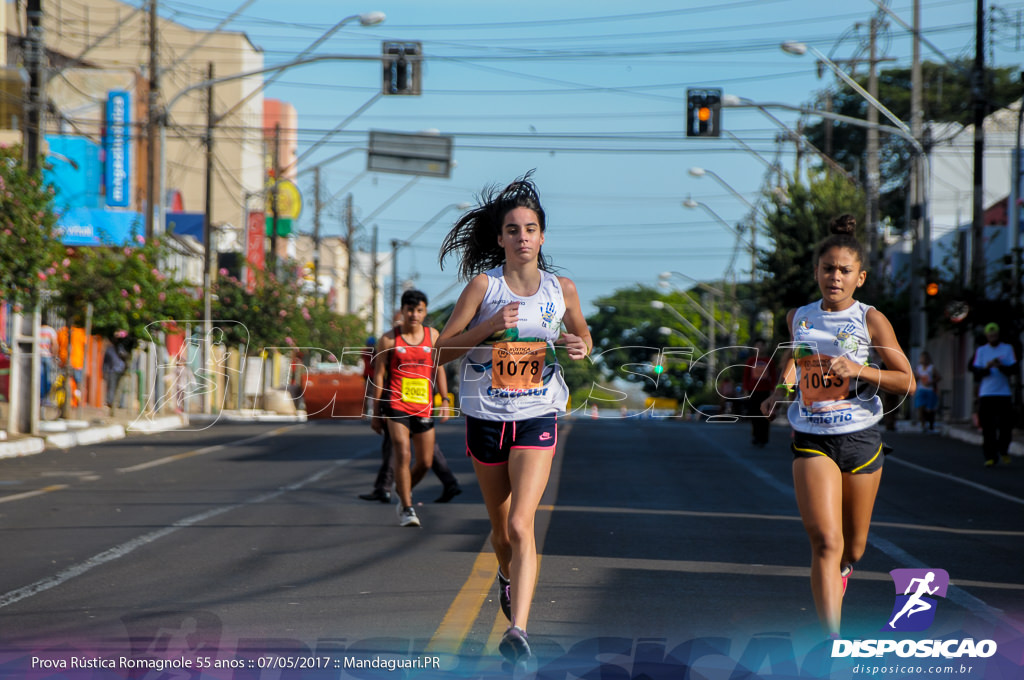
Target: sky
{"type": "Point", "coordinates": [589, 96]}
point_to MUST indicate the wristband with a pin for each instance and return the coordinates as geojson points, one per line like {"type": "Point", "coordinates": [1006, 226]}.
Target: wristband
{"type": "Point", "coordinates": [790, 389]}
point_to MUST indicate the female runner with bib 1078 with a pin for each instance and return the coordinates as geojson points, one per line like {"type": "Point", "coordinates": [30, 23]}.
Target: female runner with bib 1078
{"type": "Point", "coordinates": [504, 326]}
{"type": "Point", "coordinates": [837, 451]}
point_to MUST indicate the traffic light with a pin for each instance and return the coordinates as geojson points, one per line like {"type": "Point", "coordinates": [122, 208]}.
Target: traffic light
{"type": "Point", "coordinates": [703, 112]}
{"type": "Point", "coordinates": [931, 286]}
{"type": "Point", "coordinates": [402, 74]}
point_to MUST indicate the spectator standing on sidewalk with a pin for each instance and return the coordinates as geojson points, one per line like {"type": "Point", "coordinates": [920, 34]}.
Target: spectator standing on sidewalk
{"type": "Point", "coordinates": [926, 399]}
{"type": "Point", "coordinates": [113, 369]}
{"type": "Point", "coordinates": [759, 380]}
{"type": "Point", "coordinates": [992, 365]}
{"type": "Point", "coordinates": [47, 355]}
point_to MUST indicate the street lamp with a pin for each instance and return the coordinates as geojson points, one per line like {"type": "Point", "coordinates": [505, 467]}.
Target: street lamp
{"type": "Point", "coordinates": [799, 49]}
{"type": "Point", "coordinates": [700, 172]}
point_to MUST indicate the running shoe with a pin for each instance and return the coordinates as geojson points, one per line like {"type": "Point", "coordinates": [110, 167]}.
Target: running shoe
{"type": "Point", "coordinates": [513, 645]}
{"type": "Point", "coordinates": [1005, 458]}
{"type": "Point", "coordinates": [505, 595]}
{"type": "Point", "coordinates": [407, 517]}
{"type": "Point", "coordinates": [990, 462]}
{"type": "Point", "coordinates": [845, 573]}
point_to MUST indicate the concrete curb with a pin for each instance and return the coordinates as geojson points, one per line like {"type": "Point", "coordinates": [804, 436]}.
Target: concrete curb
{"type": "Point", "coordinates": [247, 416]}
{"type": "Point", "coordinates": [143, 425]}
{"type": "Point", "coordinates": [89, 435]}
{"type": "Point", "coordinates": [78, 433]}
{"type": "Point", "coordinates": [25, 446]}
{"type": "Point", "coordinates": [972, 437]}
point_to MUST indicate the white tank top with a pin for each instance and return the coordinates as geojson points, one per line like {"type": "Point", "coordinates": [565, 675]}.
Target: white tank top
{"type": "Point", "coordinates": [529, 382]}
{"type": "Point", "coordinates": [827, 404]}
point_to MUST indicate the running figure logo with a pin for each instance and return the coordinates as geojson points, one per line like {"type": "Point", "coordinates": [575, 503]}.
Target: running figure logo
{"type": "Point", "coordinates": [914, 609]}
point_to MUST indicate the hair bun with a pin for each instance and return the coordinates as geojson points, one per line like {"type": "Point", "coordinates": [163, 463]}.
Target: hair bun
{"type": "Point", "coordinates": [844, 224]}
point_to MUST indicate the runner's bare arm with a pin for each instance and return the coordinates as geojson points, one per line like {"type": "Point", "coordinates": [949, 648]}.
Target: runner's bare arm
{"type": "Point", "coordinates": [441, 382]}
{"type": "Point", "coordinates": [577, 340]}
{"type": "Point", "coordinates": [385, 345]}
{"type": "Point", "coordinates": [455, 340]}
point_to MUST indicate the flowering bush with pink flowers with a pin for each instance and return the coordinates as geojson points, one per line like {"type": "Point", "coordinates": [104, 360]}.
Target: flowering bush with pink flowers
{"type": "Point", "coordinates": [27, 243]}
{"type": "Point", "coordinates": [276, 313]}
{"type": "Point", "coordinates": [127, 289]}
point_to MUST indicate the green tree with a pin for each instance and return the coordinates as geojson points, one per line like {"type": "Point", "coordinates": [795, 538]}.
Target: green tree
{"type": "Point", "coordinates": [27, 221]}
{"type": "Point", "coordinates": [276, 313]}
{"type": "Point", "coordinates": [126, 286]}
{"type": "Point", "coordinates": [945, 98]}
{"type": "Point", "coordinates": [629, 342]}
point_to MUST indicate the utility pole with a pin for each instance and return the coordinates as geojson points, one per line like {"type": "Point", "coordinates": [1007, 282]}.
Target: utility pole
{"type": "Point", "coordinates": [36, 82]}
{"type": "Point", "coordinates": [350, 231]}
{"type": "Point", "coordinates": [274, 193]}
{"type": "Point", "coordinates": [874, 174]}
{"type": "Point", "coordinates": [395, 283]}
{"type": "Point", "coordinates": [317, 207]}
{"type": "Point", "coordinates": [979, 106]}
{"type": "Point", "coordinates": [921, 227]}
{"type": "Point", "coordinates": [208, 259]}
{"type": "Point", "coordinates": [374, 284]}
{"type": "Point", "coordinates": [152, 116]}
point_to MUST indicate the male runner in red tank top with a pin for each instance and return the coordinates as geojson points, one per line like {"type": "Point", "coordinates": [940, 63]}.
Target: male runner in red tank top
{"type": "Point", "coordinates": [405, 375]}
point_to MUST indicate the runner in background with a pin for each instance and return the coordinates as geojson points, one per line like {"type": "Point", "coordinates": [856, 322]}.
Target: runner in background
{"type": "Point", "coordinates": [405, 374]}
{"type": "Point", "coordinates": [759, 380]}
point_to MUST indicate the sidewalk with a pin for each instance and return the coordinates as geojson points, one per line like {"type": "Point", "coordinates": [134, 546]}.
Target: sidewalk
{"type": "Point", "coordinates": [966, 433]}
{"type": "Point", "coordinates": [95, 425]}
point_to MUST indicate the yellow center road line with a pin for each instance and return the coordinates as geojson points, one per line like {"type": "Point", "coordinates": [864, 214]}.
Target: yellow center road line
{"type": "Point", "coordinates": [458, 620]}
{"type": "Point", "coordinates": [207, 449]}
{"type": "Point", "coordinates": [31, 494]}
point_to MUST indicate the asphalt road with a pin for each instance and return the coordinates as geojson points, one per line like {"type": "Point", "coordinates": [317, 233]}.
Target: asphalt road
{"type": "Point", "coordinates": [664, 545]}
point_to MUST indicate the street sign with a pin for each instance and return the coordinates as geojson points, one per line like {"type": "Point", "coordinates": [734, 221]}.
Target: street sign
{"type": "Point", "coordinates": [289, 198]}
{"type": "Point", "coordinates": [410, 154]}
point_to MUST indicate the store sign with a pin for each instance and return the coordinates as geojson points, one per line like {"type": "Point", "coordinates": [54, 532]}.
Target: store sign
{"type": "Point", "coordinates": [255, 254]}
{"type": "Point", "coordinates": [117, 145]}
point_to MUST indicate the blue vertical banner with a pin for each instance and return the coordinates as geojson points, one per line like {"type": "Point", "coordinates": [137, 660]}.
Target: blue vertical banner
{"type": "Point", "coordinates": [117, 147]}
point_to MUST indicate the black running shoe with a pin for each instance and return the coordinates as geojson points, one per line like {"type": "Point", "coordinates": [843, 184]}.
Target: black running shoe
{"type": "Point", "coordinates": [505, 595]}
{"type": "Point", "coordinates": [514, 646]}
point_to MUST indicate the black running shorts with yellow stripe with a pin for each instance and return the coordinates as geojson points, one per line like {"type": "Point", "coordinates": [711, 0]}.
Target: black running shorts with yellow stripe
{"type": "Point", "coordinates": [857, 452]}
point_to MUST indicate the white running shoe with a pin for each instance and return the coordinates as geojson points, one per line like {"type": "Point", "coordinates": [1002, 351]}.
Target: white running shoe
{"type": "Point", "coordinates": [407, 517]}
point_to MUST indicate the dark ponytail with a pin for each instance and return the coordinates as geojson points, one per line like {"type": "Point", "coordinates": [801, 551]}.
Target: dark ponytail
{"type": "Point", "coordinates": [474, 238]}
{"type": "Point", "coordinates": [843, 231]}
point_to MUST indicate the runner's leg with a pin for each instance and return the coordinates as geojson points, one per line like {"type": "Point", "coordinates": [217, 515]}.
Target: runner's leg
{"type": "Point", "coordinates": [819, 487]}
{"type": "Point", "coordinates": [528, 474]}
{"type": "Point", "coordinates": [424, 442]}
{"type": "Point", "coordinates": [402, 454]}
{"type": "Point", "coordinates": [496, 490]}
{"type": "Point", "coordinates": [859, 492]}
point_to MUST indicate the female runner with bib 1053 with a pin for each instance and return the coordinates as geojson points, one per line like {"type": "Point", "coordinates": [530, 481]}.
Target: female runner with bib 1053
{"type": "Point", "coordinates": [837, 451]}
{"type": "Point", "coordinates": [504, 326]}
